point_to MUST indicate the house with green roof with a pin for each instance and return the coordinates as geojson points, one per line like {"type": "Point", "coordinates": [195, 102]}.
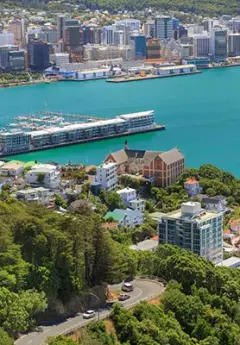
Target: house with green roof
{"type": "Point", "coordinates": [126, 217]}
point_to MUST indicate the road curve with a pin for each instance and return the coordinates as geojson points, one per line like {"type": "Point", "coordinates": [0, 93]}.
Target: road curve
{"type": "Point", "coordinates": [143, 290]}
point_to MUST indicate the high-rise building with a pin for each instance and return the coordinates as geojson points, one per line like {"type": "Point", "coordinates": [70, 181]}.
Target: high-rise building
{"type": "Point", "coordinates": [153, 48]}
{"type": "Point", "coordinates": [6, 38]}
{"type": "Point", "coordinates": [201, 45]}
{"type": "Point", "coordinates": [234, 44]}
{"type": "Point", "coordinates": [60, 25]}
{"type": "Point", "coordinates": [149, 28]}
{"type": "Point", "coordinates": [139, 47]}
{"type": "Point", "coordinates": [234, 25]}
{"type": "Point", "coordinates": [71, 36]}
{"type": "Point", "coordinates": [207, 25]}
{"type": "Point", "coordinates": [108, 36]}
{"type": "Point", "coordinates": [218, 44]}
{"type": "Point", "coordinates": [180, 32]}
{"type": "Point", "coordinates": [118, 38]}
{"type": "Point", "coordinates": [15, 26]}
{"type": "Point", "coordinates": [38, 55]}
{"type": "Point", "coordinates": [194, 229]}
{"type": "Point", "coordinates": [92, 34]}
{"type": "Point", "coordinates": [107, 176]}
{"type": "Point", "coordinates": [163, 28]}
{"type": "Point", "coordinates": [175, 23]}
{"type": "Point", "coordinates": [50, 34]}
{"type": "Point", "coordinates": [16, 60]}
{"type": "Point", "coordinates": [132, 24]}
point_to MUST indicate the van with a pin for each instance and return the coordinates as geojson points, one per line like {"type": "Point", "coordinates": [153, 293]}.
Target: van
{"type": "Point", "coordinates": [127, 287]}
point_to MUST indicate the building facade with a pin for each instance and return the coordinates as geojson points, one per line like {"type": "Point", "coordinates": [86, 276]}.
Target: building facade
{"type": "Point", "coordinates": [234, 44]}
{"type": "Point", "coordinates": [218, 45]}
{"type": "Point", "coordinates": [107, 176]}
{"type": "Point", "coordinates": [192, 187]}
{"type": "Point", "coordinates": [201, 45]}
{"type": "Point", "coordinates": [139, 47]}
{"type": "Point", "coordinates": [38, 55]}
{"type": "Point", "coordinates": [163, 168]}
{"type": "Point", "coordinates": [164, 28]}
{"type": "Point", "coordinates": [153, 48]}
{"type": "Point", "coordinates": [194, 229]}
{"type": "Point", "coordinates": [50, 176]}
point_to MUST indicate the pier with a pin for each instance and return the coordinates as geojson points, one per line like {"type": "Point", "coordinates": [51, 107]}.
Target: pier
{"type": "Point", "coordinates": [126, 79]}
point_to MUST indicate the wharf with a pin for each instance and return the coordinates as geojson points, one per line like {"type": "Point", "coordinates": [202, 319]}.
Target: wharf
{"type": "Point", "coordinates": [147, 77]}
{"type": "Point", "coordinates": [83, 141]}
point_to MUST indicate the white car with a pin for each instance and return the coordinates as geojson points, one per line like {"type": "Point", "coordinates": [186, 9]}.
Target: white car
{"type": "Point", "coordinates": [89, 314]}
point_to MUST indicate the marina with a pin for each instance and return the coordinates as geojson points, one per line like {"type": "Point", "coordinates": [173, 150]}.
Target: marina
{"type": "Point", "coordinates": [17, 141]}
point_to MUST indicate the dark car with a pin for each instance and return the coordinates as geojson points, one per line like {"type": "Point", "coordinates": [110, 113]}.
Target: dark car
{"type": "Point", "coordinates": [123, 297]}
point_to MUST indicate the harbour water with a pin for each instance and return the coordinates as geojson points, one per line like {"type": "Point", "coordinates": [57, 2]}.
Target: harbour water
{"type": "Point", "coordinates": [201, 114]}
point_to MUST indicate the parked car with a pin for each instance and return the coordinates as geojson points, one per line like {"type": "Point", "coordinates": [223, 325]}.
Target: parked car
{"type": "Point", "coordinates": [89, 314]}
{"type": "Point", "coordinates": [123, 297]}
{"type": "Point", "coordinates": [127, 287]}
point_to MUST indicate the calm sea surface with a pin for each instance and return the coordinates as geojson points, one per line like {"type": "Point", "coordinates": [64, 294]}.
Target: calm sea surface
{"type": "Point", "coordinates": [201, 114]}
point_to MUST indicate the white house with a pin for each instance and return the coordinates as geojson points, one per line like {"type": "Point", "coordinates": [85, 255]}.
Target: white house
{"type": "Point", "coordinates": [12, 168]}
{"type": "Point", "coordinates": [215, 204]}
{"type": "Point", "coordinates": [107, 176]}
{"type": "Point", "coordinates": [44, 174]}
{"type": "Point", "coordinates": [129, 198]}
{"type": "Point", "coordinates": [126, 217]}
{"type": "Point", "coordinates": [192, 187]}
{"type": "Point", "coordinates": [40, 194]}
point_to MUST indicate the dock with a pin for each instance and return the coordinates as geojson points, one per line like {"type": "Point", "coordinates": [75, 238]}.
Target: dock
{"type": "Point", "coordinates": [124, 79]}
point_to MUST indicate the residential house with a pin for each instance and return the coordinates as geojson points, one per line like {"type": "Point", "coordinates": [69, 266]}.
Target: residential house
{"type": "Point", "coordinates": [12, 168]}
{"type": "Point", "coordinates": [192, 187]}
{"type": "Point", "coordinates": [126, 217]}
{"type": "Point", "coordinates": [163, 168]}
{"type": "Point", "coordinates": [40, 194]}
{"type": "Point", "coordinates": [215, 203]}
{"type": "Point", "coordinates": [129, 198]}
{"type": "Point", "coordinates": [44, 174]}
{"type": "Point", "coordinates": [107, 176]}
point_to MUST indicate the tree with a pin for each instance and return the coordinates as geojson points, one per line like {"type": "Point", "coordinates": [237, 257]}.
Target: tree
{"type": "Point", "coordinates": [59, 201]}
{"type": "Point", "coordinates": [40, 178]}
{"type": "Point", "coordinates": [60, 340]}
{"type": "Point", "coordinates": [4, 338]}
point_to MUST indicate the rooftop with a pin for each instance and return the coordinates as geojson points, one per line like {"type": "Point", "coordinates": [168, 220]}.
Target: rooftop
{"type": "Point", "coordinates": [126, 190]}
{"type": "Point", "coordinates": [145, 245]}
{"type": "Point", "coordinates": [192, 181]}
{"type": "Point", "coordinates": [231, 262]}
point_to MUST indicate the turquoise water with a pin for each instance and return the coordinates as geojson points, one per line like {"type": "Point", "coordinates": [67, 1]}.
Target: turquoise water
{"type": "Point", "coordinates": [201, 114]}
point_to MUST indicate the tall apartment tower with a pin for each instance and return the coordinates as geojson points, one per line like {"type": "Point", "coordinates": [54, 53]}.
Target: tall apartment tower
{"type": "Point", "coordinates": [107, 176]}
{"type": "Point", "coordinates": [194, 229]}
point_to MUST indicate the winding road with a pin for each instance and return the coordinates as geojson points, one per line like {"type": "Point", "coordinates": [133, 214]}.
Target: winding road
{"type": "Point", "coordinates": [143, 290]}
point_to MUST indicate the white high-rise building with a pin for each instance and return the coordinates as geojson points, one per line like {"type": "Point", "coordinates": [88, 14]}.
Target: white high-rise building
{"type": "Point", "coordinates": [118, 38]}
{"type": "Point", "coordinates": [201, 45]}
{"type": "Point", "coordinates": [164, 28]}
{"type": "Point", "coordinates": [108, 35]}
{"type": "Point", "coordinates": [6, 38]}
{"type": "Point", "coordinates": [107, 176]}
{"type": "Point", "coordinates": [194, 229]}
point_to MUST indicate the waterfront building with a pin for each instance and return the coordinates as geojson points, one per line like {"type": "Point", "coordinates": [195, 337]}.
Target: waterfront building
{"type": "Point", "coordinates": [199, 62]}
{"type": "Point", "coordinates": [234, 44]}
{"type": "Point", "coordinates": [194, 229]}
{"type": "Point", "coordinates": [50, 176]}
{"type": "Point", "coordinates": [126, 217]}
{"type": "Point", "coordinates": [192, 187]}
{"type": "Point", "coordinates": [153, 48]}
{"type": "Point", "coordinates": [60, 25]}
{"type": "Point", "coordinates": [38, 55]}
{"type": "Point", "coordinates": [16, 60]}
{"type": "Point", "coordinates": [149, 28]}
{"type": "Point", "coordinates": [60, 59]}
{"type": "Point", "coordinates": [139, 47]}
{"type": "Point", "coordinates": [163, 28]}
{"type": "Point", "coordinates": [201, 45]}
{"type": "Point", "coordinates": [10, 142]}
{"type": "Point", "coordinates": [218, 44]}
{"type": "Point", "coordinates": [6, 38]}
{"type": "Point", "coordinates": [107, 53]}
{"type": "Point", "coordinates": [186, 50]}
{"type": "Point", "coordinates": [162, 168]}
{"type": "Point", "coordinates": [107, 176]}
